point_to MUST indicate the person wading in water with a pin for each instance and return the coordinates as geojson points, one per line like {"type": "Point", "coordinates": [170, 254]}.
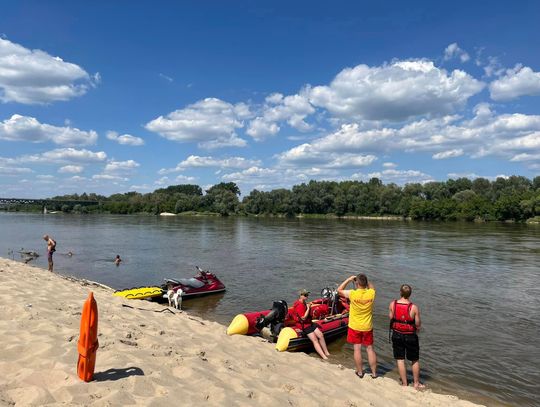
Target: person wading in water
{"type": "Point", "coordinates": [51, 248]}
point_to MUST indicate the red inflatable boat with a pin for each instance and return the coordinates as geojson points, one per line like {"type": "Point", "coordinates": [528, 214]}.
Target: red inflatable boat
{"type": "Point", "coordinates": [330, 313]}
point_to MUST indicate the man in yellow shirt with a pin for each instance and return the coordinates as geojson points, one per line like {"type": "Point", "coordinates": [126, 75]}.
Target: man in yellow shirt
{"type": "Point", "coordinates": [360, 331]}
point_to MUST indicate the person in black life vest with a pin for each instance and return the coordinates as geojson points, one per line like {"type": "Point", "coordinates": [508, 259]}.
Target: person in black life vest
{"type": "Point", "coordinates": [301, 314]}
{"type": "Point", "coordinates": [405, 323]}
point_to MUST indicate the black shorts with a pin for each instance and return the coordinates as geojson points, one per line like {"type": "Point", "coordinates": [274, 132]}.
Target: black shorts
{"type": "Point", "coordinates": [309, 328]}
{"type": "Point", "coordinates": [405, 345]}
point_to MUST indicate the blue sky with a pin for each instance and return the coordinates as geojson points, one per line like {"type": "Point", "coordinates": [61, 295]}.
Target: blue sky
{"type": "Point", "coordinates": [118, 96]}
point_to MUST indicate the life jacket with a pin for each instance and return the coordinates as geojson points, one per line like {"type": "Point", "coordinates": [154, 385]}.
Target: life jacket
{"type": "Point", "coordinates": [402, 321]}
{"type": "Point", "coordinates": [297, 317]}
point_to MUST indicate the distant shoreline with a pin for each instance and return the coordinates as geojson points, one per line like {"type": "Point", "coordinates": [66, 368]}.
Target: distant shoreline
{"type": "Point", "coordinates": [531, 221]}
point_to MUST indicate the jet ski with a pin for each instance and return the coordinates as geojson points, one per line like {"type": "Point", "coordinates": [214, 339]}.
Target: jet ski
{"type": "Point", "coordinates": [203, 283]}
{"type": "Point", "coordinates": [330, 313]}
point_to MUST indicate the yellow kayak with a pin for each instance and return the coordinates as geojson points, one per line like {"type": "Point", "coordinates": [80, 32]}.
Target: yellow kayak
{"type": "Point", "coordinates": [138, 293]}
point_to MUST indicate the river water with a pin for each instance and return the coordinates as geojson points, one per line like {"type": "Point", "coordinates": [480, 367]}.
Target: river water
{"type": "Point", "coordinates": [477, 285]}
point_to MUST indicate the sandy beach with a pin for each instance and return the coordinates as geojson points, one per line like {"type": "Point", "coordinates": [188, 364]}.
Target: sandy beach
{"type": "Point", "coordinates": [152, 355]}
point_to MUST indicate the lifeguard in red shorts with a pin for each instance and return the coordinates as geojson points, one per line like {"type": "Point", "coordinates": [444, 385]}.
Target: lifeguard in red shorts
{"type": "Point", "coordinates": [360, 331]}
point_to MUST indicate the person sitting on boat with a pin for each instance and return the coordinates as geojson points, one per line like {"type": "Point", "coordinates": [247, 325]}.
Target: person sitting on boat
{"type": "Point", "coordinates": [302, 315]}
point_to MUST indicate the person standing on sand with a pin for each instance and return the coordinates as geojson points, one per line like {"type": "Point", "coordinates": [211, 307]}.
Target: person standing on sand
{"type": "Point", "coordinates": [301, 313]}
{"type": "Point", "coordinates": [360, 331]}
{"type": "Point", "coordinates": [51, 248]}
{"type": "Point", "coordinates": [405, 322]}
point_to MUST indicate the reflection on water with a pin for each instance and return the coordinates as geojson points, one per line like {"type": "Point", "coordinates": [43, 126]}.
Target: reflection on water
{"type": "Point", "coordinates": [475, 283]}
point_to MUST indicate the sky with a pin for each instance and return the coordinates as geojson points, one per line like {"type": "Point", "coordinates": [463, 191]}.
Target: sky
{"type": "Point", "coordinates": [121, 96]}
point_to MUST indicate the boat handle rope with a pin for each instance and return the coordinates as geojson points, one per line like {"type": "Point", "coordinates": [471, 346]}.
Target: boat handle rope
{"type": "Point", "coordinates": [153, 310]}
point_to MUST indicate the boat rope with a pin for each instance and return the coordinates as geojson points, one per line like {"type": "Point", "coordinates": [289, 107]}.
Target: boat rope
{"type": "Point", "coordinates": [153, 310]}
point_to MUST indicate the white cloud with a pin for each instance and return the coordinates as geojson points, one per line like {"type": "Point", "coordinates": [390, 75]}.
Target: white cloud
{"type": "Point", "coordinates": [59, 156]}
{"type": "Point", "coordinates": [33, 76]}
{"type": "Point", "coordinates": [71, 169]}
{"type": "Point", "coordinates": [448, 154]}
{"type": "Point", "coordinates": [249, 174]}
{"type": "Point", "coordinates": [306, 155]}
{"type": "Point", "coordinates": [11, 171]}
{"type": "Point", "coordinates": [78, 178]}
{"type": "Point", "coordinates": [121, 166]}
{"type": "Point", "coordinates": [389, 165]}
{"type": "Point", "coordinates": [519, 81]}
{"type": "Point", "coordinates": [180, 179]}
{"type": "Point", "coordinates": [195, 161]}
{"type": "Point", "coordinates": [260, 128]}
{"type": "Point", "coordinates": [109, 177]}
{"type": "Point", "coordinates": [291, 109]}
{"type": "Point", "coordinates": [210, 122]}
{"type": "Point", "coordinates": [125, 139]}
{"type": "Point", "coordinates": [454, 51]}
{"type": "Point", "coordinates": [167, 78]}
{"type": "Point", "coordinates": [493, 67]}
{"type": "Point", "coordinates": [270, 178]}
{"type": "Point", "coordinates": [44, 179]}
{"type": "Point", "coordinates": [163, 181]}
{"type": "Point", "coordinates": [117, 171]}
{"type": "Point", "coordinates": [184, 179]}
{"type": "Point", "coordinates": [141, 187]}
{"type": "Point", "coordinates": [472, 175]}
{"type": "Point", "coordinates": [526, 157]}
{"type": "Point", "coordinates": [396, 176]}
{"type": "Point", "coordinates": [485, 134]}
{"type": "Point", "coordinates": [25, 128]}
{"type": "Point", "coordinates": [395, 91]}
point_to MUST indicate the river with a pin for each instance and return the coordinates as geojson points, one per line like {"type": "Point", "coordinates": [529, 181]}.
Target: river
{"type": "Point", "coordinates": [477, 285]}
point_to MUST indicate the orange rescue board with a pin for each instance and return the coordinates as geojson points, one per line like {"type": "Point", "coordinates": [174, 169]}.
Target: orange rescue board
{"type": "Point", "coordinates": [88, 343]}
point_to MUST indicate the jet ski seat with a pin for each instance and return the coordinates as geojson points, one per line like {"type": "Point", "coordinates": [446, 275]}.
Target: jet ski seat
{"type": "Point", "coordinates": [191, 282]}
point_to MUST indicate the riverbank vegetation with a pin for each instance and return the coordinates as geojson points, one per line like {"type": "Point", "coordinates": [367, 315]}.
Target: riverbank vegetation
{"type": "Point", "coordinates": [515, 198]}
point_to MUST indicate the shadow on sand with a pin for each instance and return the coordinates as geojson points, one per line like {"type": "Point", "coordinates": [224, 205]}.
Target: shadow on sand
{"type": "Point", "coordinates": [117, 374]}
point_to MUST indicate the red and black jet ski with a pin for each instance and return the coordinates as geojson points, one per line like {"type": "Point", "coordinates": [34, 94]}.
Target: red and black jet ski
{"type": "Point", "coordinates": [203, 283]}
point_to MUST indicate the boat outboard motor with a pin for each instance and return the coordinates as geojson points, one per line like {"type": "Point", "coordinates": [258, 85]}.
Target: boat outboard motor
{"type": "Point", "coordinates": [274, 317]}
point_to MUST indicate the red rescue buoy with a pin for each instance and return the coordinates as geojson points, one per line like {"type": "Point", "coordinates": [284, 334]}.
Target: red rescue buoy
{"type": "Point", "coordinates": [88, 342]}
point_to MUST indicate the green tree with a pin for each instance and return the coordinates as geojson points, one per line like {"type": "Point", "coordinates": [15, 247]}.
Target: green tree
{"type": "Point", "coordinates": [227, 186]}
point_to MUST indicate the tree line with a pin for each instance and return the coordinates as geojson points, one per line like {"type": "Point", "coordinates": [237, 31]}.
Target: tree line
{"type": "Point", "coordinates": [514, 198]}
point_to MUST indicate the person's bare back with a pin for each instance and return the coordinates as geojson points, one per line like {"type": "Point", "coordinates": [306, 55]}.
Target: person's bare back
{"type": "Point", "coordinates": [51, 248]}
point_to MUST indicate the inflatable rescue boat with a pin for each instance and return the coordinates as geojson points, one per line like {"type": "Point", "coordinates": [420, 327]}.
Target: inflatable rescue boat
{"type": "Point", "coordinates": [330, 313]}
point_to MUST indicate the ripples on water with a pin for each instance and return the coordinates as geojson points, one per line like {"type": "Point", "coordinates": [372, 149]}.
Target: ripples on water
{"type": "Point", "coordinates": [477, 285]}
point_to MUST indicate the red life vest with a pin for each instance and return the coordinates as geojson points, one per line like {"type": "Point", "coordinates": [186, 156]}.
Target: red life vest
{"type": "Point", "coordinates": [402, 321]}
{"type": "Point", "coordinates": [298, 311]}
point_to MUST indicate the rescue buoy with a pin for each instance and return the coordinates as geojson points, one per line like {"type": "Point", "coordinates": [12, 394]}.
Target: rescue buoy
{"type": "Point", "coordinates": [88, 342]}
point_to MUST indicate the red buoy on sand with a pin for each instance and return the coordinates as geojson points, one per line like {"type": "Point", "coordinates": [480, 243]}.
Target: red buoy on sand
{"type": "Point", "coordinates": [88, 342]}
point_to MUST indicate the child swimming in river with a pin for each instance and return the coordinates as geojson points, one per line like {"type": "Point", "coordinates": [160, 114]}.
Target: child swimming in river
{"type": "Point", "coordinates": [117, 260]}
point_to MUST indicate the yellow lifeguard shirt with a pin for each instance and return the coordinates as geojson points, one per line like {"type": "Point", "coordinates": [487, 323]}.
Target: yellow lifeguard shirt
{"type": "Point", "coordinates": [360, 314]}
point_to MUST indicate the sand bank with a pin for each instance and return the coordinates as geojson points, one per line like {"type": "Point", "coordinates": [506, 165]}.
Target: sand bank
{"type": "Point", "coordinates": [148, 357]}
